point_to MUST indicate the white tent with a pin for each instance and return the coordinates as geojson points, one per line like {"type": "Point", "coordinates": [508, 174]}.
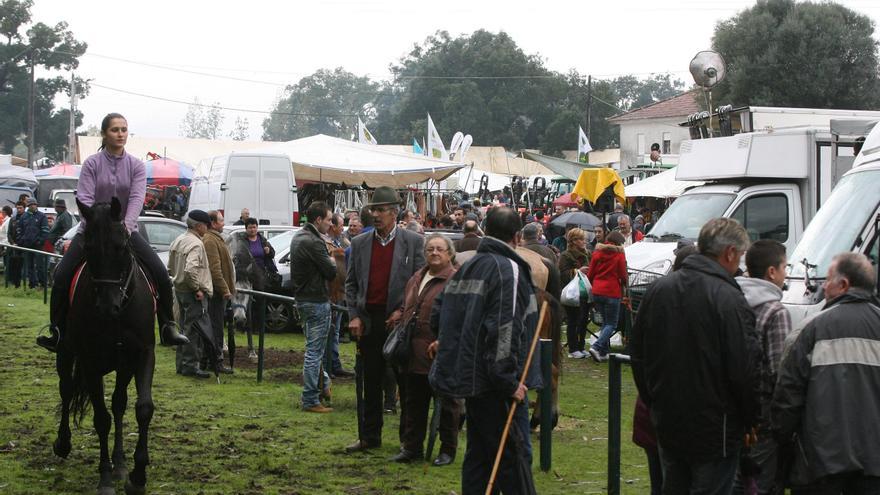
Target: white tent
{"type": "Point", "coordinates": [15, 176]}
{"type": "Point", "coordinates": [328, 159]}
{"type": "Point", "coordinates": [662, 185]}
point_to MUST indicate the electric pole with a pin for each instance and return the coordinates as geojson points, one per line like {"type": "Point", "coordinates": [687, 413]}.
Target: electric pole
{"type": "Point", "coordinates": [589, 102]}
{"type": "Point", "coordinates": [31, 105]}
{"type": "Point", "coordinates": [71, 140]}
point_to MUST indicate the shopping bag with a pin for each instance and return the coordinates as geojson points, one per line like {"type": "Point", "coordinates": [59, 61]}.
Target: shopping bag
{"type": "Point", "coordinates": [579, 288]}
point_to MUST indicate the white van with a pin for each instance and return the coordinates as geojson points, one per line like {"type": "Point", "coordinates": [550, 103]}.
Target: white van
{"type": "Point", "coordinates": [263, 183]}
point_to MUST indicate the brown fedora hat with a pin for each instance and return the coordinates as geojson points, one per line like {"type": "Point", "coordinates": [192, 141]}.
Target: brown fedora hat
{"type": "Point", "coordinates": [384, 195]}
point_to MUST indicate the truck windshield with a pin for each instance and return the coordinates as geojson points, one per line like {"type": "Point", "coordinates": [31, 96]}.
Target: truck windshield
{"type": "Point", "coordinates": [838, 223]}
{"type": "Point", "coordinates": [689, 213]}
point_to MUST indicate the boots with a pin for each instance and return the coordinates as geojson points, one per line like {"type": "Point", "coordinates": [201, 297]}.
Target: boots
{"type": "Point", "coordinates": [50, 342]}
{"type": "Point", "coordinates": [169, 336]}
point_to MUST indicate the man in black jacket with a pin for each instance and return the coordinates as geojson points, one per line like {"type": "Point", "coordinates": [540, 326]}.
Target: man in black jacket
{"type": "Point", "coordinates": [311, 269]}
{"type": "Point", "coordinates": [695, 357]}
{"type": "Point", "coordinates": [827, 397]}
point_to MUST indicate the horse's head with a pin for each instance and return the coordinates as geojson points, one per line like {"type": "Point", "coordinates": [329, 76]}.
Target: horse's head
{"type": "Point", "coordinates": [108, 254]}
{"type": "Point", "coordinates": [240, 302]}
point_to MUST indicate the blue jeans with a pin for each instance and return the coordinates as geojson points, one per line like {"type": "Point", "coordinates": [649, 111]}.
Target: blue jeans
{"type": "Point", "coordinates": [332, 364]}
{"type": "Point", "coordinates": [609, 308]}
{"type": "Point", "coordinates": [316, 325]}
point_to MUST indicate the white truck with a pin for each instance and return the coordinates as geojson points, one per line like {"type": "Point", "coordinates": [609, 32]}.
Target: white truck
{"type": "Point", "coordinates": [262, 183]}
{"type": "Point", "coordinates": [772, 181]}
{"type": "Point", "coordinates": [849, 220]}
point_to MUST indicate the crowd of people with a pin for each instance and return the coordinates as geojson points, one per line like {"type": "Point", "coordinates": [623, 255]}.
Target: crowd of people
{"type": "Point", "coordinates": [27, 227]}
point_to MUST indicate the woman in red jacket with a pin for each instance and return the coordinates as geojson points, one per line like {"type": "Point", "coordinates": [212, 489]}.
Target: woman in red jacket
{"type": "Point", "coordinates": [607, 273]}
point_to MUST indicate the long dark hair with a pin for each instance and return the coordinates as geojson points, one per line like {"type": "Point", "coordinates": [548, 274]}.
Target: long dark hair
{"type": "Point", "coordinates": [105, 124]}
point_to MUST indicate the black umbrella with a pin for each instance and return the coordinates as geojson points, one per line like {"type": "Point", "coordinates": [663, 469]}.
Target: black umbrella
{"type": "Point", "coordinates": [582, 219]}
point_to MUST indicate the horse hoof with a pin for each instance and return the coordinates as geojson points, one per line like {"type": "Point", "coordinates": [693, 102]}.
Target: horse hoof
{"type": "Point", "coordinates": [106, 490]}
{"type": "Point", "coordinates": [131, 489]}
{"type": "Point", "coordinates": [61, 449]}
{"type": "Point", "coordinates": [120, 473]}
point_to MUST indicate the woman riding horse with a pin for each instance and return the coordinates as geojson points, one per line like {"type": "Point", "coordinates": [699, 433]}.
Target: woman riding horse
{"type": "Point", "coordinates": [107, 174]}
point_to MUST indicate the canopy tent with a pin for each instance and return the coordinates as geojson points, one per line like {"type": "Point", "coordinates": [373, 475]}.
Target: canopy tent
{"type": "Point", "coordinates": [328, 159]}
{"type": "Point", "coordinates": [662, 185]}
{"type": "Point", "coordinates": [563, 167]}
{"type": "Point", "coordinates": [593, 182]}
{"type": "Point", "coordinates": [14, 176]}
{"type": "Point", "coordinates": [62, 169]}
{"type": "Point", "coordinates": [168, 172]}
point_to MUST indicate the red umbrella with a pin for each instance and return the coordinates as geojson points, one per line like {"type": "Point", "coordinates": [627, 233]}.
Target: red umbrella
{"type": "Point", "coordinates": [566, 200]}
{"type": "Point", "coordinates": [62, 169]}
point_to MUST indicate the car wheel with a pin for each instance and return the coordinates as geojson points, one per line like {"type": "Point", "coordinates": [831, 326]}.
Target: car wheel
{"type": "Point", "coordinates": [280, 317]}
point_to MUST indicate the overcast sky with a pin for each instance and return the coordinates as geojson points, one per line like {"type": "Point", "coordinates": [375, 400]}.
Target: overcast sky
{"type": "Point", "coordinates": [273, 43]}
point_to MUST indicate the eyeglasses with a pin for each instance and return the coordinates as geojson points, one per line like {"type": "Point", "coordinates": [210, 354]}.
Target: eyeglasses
{"type": "Point", "coordinates": [435, 250]}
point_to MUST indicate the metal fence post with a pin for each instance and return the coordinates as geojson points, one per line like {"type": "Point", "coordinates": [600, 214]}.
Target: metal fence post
{"type": "Point", "coordinates": [614, 384]}
{"type": "Point", "coordinates": [45, 280]}
{"type": "Point", "coordinates": [546, 403]}
{"type": "Point", "coordinates": [262, 340]}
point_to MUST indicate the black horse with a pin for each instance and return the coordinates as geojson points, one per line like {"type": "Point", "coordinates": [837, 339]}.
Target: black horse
{"type": "Point", "coordinates": [109, 327]}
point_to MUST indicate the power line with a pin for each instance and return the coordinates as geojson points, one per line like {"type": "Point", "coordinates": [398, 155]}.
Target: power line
{"type": "Point", "coordinates": [232, 109]}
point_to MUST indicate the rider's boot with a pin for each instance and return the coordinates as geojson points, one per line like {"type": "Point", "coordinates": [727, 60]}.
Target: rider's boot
{"type": "Point", "coordinates": [168, 332]}
{"type": "Point", "coordinates": [57, 312]}
{"type": "Point", "coordinates": [50, 342]}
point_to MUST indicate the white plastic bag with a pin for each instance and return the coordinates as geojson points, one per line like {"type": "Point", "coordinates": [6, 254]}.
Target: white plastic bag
{"type": "Point", "coordinates": [578, 288]}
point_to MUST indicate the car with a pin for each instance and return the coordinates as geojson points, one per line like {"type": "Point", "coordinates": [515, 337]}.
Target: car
{"type": "Point", "coordinates": [159, 232]}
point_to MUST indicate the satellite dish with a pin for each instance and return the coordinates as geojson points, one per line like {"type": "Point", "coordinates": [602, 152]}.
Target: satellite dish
{"type": "Point", "coordinates": [708, 69]}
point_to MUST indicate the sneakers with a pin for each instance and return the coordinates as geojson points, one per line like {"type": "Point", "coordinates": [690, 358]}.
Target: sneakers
{"type": "Point", "coordinates": [577, 355]}
{"type": "Point", "coordinates": [598, 356]}
{"type": "Point", "coordinates": [318, 408]}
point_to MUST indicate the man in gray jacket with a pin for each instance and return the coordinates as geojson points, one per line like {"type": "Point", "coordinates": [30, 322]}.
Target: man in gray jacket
{"type": "Point", "coordinates": [827, 399]}
{"type": "Point", "coordinates": [311, 269]}
{"type": "Point", "coordinates": [381, 263]}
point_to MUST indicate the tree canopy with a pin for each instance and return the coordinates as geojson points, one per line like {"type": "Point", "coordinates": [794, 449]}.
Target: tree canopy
{"type": "Point", "coordinates": [782, 53]}
{"type": "Point", "coordinates": [51, 47]}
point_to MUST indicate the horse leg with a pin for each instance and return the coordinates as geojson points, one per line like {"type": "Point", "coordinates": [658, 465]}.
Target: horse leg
{"type": "Point", "coordinates": [102, 422]}
{"type": "Point", "coordinates": [64, 368]}
{"type": "Point", "coordinates": [120, 403]}
{"type": "Point", "coordinates": [143, 379]}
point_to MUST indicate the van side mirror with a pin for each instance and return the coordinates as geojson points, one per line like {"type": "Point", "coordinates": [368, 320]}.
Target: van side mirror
{"type": "Point", "coordinates": [285, 259]}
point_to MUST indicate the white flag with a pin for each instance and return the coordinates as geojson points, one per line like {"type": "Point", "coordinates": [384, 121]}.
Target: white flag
{"type": "Point", "coordinates": [583, 146]}
{"type": "Point", "coordinates": [365, 136]}
{"type": "Point", "coordinates": [455, 144]}
{"type": "Point", "coordinates": [435, 144]}
{"type": "Point", "coordinates": [465, 146]}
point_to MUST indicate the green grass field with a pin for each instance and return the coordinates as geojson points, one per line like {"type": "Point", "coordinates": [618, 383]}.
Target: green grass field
{"type": "Point", "coordinates": [240, 437]}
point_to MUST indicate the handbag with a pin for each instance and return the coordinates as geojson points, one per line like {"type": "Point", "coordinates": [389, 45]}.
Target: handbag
{"type": "Point", "coordinates": [579, 288]}
{"type": "Point", "coordinates": [396, 347]}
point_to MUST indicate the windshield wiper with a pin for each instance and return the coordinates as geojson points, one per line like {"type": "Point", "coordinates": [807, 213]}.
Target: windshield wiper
{"type": "Point", "coordinates": [672, 235]}
{"type": "Point", "coordinates": [651, 236]}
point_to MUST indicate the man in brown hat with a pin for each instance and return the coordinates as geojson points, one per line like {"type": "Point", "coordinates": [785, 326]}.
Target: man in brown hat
{"type": "Point", "coordinates": [63, 221]}
{"type": "Point", "coordinates": [379, 267]}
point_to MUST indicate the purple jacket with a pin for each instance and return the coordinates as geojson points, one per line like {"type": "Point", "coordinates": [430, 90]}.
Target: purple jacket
{"type": "Point", "coordinates": [104, 176]}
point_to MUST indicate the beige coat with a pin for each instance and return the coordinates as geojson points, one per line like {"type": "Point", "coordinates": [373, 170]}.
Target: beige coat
{"type": "Point", "coordinates": [188, 264]}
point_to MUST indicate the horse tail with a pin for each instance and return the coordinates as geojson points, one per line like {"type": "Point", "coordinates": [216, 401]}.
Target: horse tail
{"type": "Point", "coordinates": [79, 402]}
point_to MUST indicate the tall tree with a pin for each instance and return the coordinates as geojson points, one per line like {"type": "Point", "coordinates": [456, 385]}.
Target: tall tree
{"type": "Point", "coordinates": [326, 102]}
{"type": "Point", "coordinates": [782, 53]}
{"type": "Point", "coordinates": [202, 121]}
{"type": "Point", "coordinates": [240, 130]}
{"type": "Point", "coordinates": [50, 47]}
{"type": "Point", "coordinates": [633, 92]}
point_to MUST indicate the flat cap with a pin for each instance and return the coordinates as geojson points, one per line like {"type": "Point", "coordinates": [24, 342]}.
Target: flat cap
{"type": "Point", "coordinates": [200, 216]}
{"type": "Point", "coordinates": [31, 201]}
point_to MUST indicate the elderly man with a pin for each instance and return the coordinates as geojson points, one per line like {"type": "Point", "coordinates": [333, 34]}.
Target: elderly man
{"type": "Point", "coordinates": [191, 275]}
{"type": "Point", "coordinates": [314, 268]}
{"type": "Point", "coordinates": [471, 238]}
{"type": "Point", "coordinates": [630, 235]}
{"type": "Point", "coordinates": [695, 359]}
{"type": "Point", "coordinates": [827, 397]}
{"type": "Point", "coordinates": [379, 267]}
{"type": "Point", "coordinates": [245, 214]}
{"type": "Point", "coordinates": [485, 319]}
{"type": "Point", "coordinates": [223, 279]}
{"type": "Point", "coordinates": [531, 240]}
{"type": "Point", "coordinates": [354, 227]}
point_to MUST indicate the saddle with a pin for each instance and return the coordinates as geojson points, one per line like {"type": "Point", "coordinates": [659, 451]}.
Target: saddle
{"type": "Point", "coordinates": [77, 274]}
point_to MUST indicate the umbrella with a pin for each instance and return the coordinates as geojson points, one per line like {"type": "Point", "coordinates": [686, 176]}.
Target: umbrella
{"type": "Point", "coordinates": [566, 200]}
{"type": "Point", "coordinates": [62, 169]}
{"type": "Point", "coordinates": [168, 172]}
{"type": "Point", "coordinates": [582, 219]}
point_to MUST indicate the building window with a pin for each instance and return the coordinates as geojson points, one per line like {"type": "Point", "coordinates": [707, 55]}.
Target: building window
{"type": "Point", "coordinates": [667, 143]}
{"type": "Point", "coordinates": [640, 139]}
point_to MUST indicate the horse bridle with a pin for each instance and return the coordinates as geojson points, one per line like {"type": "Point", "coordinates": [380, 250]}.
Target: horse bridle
{"type": "Point", "coordinates": [124, 282]}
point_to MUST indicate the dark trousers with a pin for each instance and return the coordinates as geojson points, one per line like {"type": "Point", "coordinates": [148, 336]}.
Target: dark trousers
{"type": "Point", "coordinates": [374, 369]}
{"type": "Point", "coordinates": [841, 484]}
{"type": "Point", "coordinates": [683, 477]}
{"type": "Point", "coordinates": [144, 253]}
{"type": "Point", "coordinates": [576, 326]}
{"type": "Point", "coordinates": [194, 320]}
{"type": "Point", "coordinates": [419, 396]}
{"type": "Point", "coordinates": [12, 267]}
{"type": "Point", "coordinates": [257, 314]}
{"type": "Point", "coordinates": [655, 470]}
{"type": "Point", "coordinates": [35, 268]}
{"type": "Point", "coordinates": [216, 311]}
{"type": "Point", "coordinates": [485, 423]}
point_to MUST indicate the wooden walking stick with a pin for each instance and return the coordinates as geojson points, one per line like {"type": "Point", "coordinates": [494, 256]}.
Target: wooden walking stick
{"type": "Point", "coordinates": [522, 380]}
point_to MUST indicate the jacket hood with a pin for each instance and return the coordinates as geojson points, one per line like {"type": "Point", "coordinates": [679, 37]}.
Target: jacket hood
{"type": "Point", "coordinates": [609, 247]}
{"type": "Point", "coordinates": [759, 291]}
{"type": "Point", "coordinates": [710, 267]}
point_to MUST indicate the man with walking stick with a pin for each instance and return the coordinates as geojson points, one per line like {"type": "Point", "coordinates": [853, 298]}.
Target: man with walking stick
{"type": "Point", "coordinates": [485, 319]}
